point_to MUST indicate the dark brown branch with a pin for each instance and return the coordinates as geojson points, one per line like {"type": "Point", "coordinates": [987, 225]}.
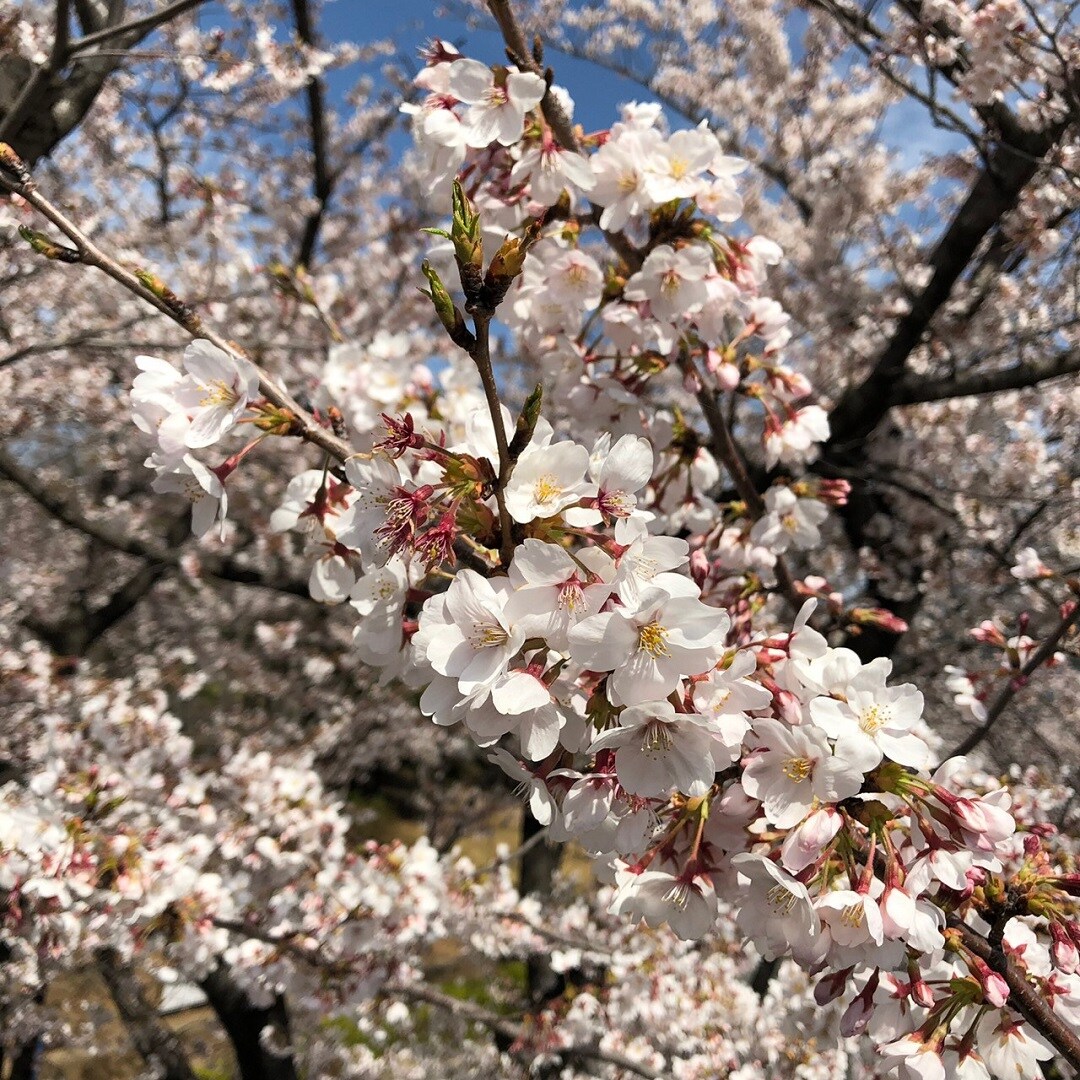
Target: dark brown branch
{"type": "Point", "coordinates": [730, 456]}
{"type": "Point", "coordinates": [51, 99]}
{"type": "Point", "coordinates": [1016, 680]}
{"type": "Point", "coordinates": [481, 355]}
{"type": "Point", "coordinates": [1023, 997]}
{"type": "Point", "coordinates": [995, 192]}
{"type": "Point", "coordinates": [558, 121]}
{"type": "Point", "coordinates": [1027, 373]}
{"type": "Point", "coordinates": [58, 54]}
{"type": "Point", "coordinates": [158, 1046]}
{"type": "Point", "coordinates": [136, 29]}
{"type": "Point", "coordinates": [257, 1057]}
{"type": "Point", "coordinates": [222, 567]}
{"type": "Point", "coordinates": [322, 182]}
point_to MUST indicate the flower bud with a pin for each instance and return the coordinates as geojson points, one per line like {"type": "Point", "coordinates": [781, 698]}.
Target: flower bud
{"type": "Point", "coordinates": [49, 248]}
{"type": "Point", "coordinates": [526, 422]}
{"type": "Point", "coordinates": [1064, 951]}
{"type": "Point", "coordinates": [699, 567]}
{"type": "Point", "coordinates": [452, 319]}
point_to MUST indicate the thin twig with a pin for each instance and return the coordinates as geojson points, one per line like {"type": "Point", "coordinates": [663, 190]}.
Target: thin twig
{"type": "Point", "coordinates": [554, 114]}
{"type": "Point", "coordinates": [223, 568]}
{"type": "Point", "coordinates": [481, 354]}
{"type": "Point", "coordinates": [1016, 680]}
{"type": "Point", "coordinates": [727, 450]}
{"type": "Point", "coordinates": [518, 1034]}
{"type": "Point", "coordinates": [139, 27]}
{"type": "Point", "coordinates": [58, 57]}
{"type": "Point", "coordinates": [165, 302]}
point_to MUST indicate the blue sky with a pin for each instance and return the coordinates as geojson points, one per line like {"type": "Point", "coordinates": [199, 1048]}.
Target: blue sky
{"type": "Point", "coordinates": [410, 23]}
{"type": "Point", "coordinates": [596, 92]}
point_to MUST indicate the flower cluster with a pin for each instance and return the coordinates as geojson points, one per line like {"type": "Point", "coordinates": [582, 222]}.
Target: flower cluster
{"type": "Point", "coordinates": [594, 597]}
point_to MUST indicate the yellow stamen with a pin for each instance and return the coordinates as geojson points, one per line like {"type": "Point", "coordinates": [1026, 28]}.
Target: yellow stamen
{"type": "Point", "coordinates": [653, 639]}
{"type": "Point", "coordinates": [492, 635]}
{"type": "Point", "coordinates": [218, 393]}
{"type": "Point", "coordinates": [547, 488]}
{"type": "Point", "coordinates": [797, 769]}
{"type": "Point", "coordinates": [874, 719]}
{"type": "Point", "coordinates": [781, 900]}
{"type": "Point", "coordinates": [853, 915]}
{"type": "Point", "coordinates": [657, 737]}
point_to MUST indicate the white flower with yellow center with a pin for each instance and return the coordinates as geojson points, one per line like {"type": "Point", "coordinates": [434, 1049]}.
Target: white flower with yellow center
{"type": "Point", "coordinates": [379, 599]}
{"type": "Point", "coordinates": [216, 392]}
{"type": "Point", "coordinates": [776, 912]}
{"type": "Point", "coordinates": [658, 750]}
{"type": "Point", "coordinates": [794, 770]}
{"type": "Point", "coordinates": [464, 633]}
{"type": "Point", "coordinates": [686, 903]}
{"type": "Point", "coordinates": [675, 172]}
{"type": "Point", "coordinates": [546, 480]}
{"type": "Point", "coordinates": [851, 918]}
{"type": "Point", "coordinates": [498, 100]}
{"type": "Point", "coordinates": [875, 717]}
{"type": "Point", "coordinates": [672, 281]}
{"type": "Point", "coordinates": [650, 648]}
{"type": "Point", "coordinates": [555, 590]}
{"type": "Point", "coordinates": [726, 697]}
{"type": "Point", "coordinates": [621, 177]}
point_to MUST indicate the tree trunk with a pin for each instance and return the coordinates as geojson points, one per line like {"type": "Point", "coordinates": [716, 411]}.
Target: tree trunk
{"type": "Point", "coordinates": [257, 1058]}
{"type": "Point", "coordinates": [158, 1046]}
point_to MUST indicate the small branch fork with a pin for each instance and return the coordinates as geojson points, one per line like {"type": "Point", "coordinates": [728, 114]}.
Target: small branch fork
{"type": "Point", "coordinates": [1017, 680]}
{"type": "Point", "coordinates": [15, 178]}
{"type": "Point", "coordinates": [722, 440]}
{"type": "Point", "coordinates": [727, 450]}
{"type": "Point", "coordinates": [1023, 996]}
{"type": "Point", "coordinates": [481, 355]}
{"type": "Point", "coordinates": [530, 60]}
{"type": "Point", "coordinates": [518, 1034]}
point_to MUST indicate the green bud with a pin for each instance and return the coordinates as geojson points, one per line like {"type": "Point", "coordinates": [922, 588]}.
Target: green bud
{"type": "Point", "coordinates": [526, 422]}
{"type": "Point", "coordinates": [507, 264]}
{"type": "Point", "coordinates": [188, 319]}
{"type": "Point", "coordinates": [451, 318]}
{"type": "Point", "coordinates": [49, 248]}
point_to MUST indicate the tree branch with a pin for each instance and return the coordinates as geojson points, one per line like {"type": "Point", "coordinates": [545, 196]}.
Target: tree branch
{"type": "Point", "coordinates": [15, 178]}
{"type": "Point", "coordinates": [136, 29]}
{"type": "Point", "coordinates": [322, 182]}
{"type": "Point", "coordinates": [558, 121]}
{"type": "Point", "coordinates": [517, 1034]}
{"type": "Point", "coordinates": [1023, 997]}
{"type": "Point", "coordinates": [224, 567]}
{"type": "Point", "coordinates": [158, 1046]}
{"type": "Point", "coordinates": [913, 390]}
{"type": "Point", "coordinates": [1016, 680]}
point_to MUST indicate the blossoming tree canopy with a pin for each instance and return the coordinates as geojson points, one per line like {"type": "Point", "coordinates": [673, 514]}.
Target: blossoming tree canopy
{"type": "Point", "coordinates": [579, 511]}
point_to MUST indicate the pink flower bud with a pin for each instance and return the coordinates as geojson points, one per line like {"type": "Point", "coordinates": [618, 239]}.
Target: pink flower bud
{"type": "Point", "coordinates": [922, 994]}
{"type": "Point", "coordinates": [789, 707]}
{"type": "Point", "coordinates": [699, 567]}
{"type": "Point", "coordinates": [834, 492]}
{"type": "Point", "coordinates": [1064, 951]}
{"type": "Point", "coordinates": [831, 986]}
{"type": "Point", "coordinates": [995, 989]}
{"type": "Point", "coordinates": [988, 633]}
{"type": "Point", "coordinates": [727, 376]}
{"type": "Point", "coordinates": [857, 1014]}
